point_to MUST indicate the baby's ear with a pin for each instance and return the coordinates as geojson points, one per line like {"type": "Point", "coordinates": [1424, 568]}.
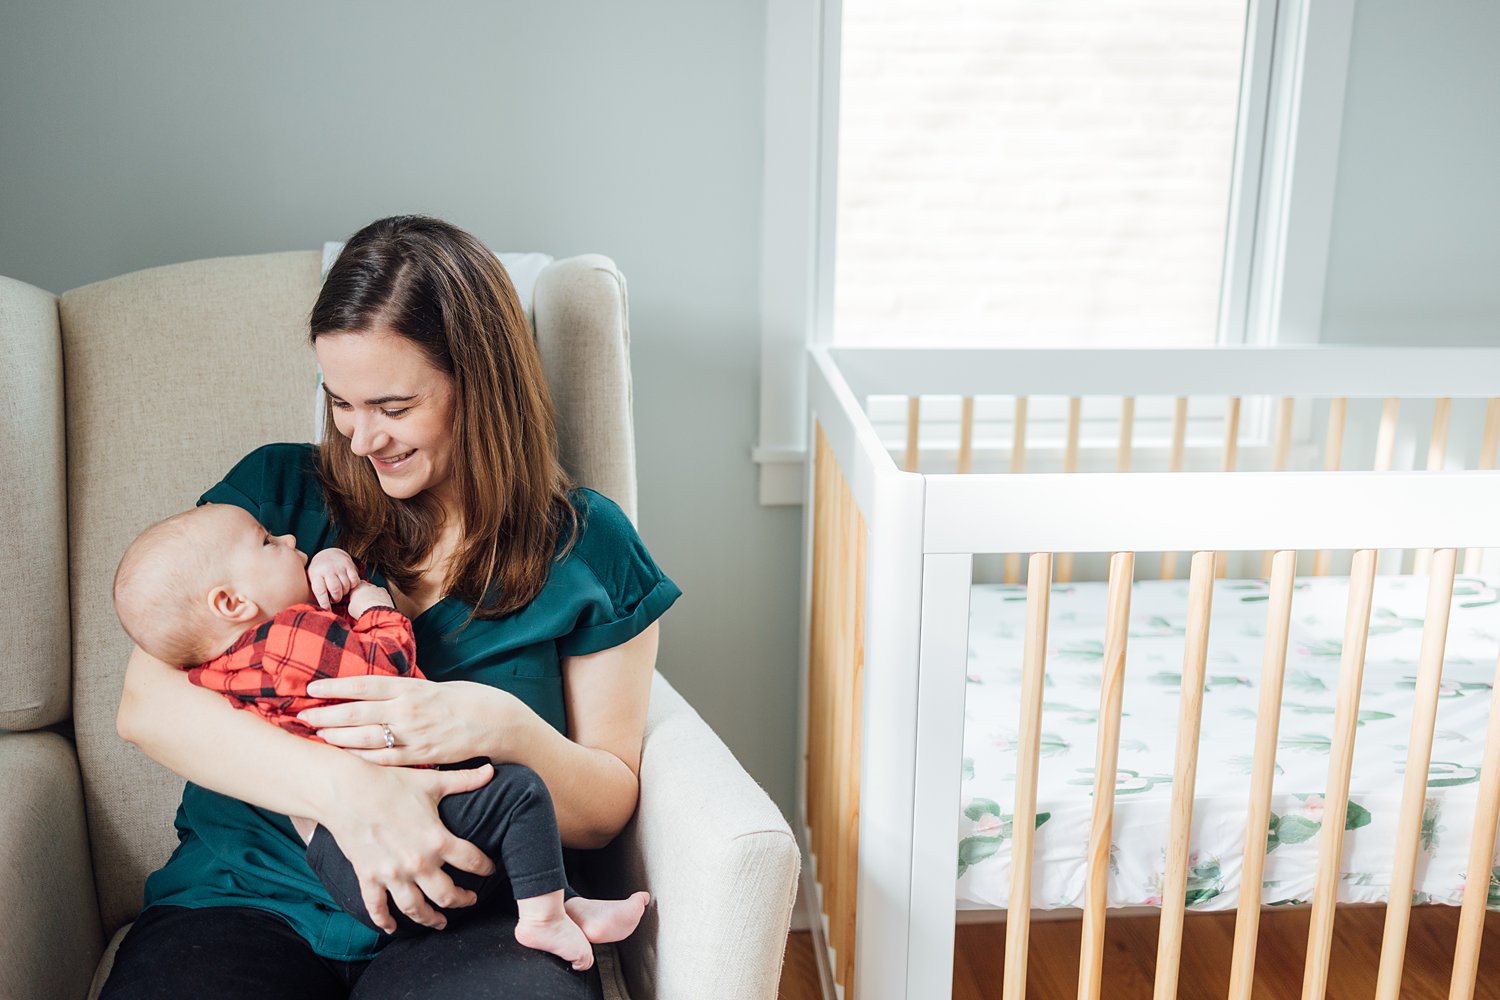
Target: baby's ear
{"type": "Point", "coordinates": [231, 606]}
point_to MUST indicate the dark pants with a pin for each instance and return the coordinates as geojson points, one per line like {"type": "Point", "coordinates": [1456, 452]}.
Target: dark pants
{"type": "Point", "coordinates": [174, 951]}
{"type": "Point", "coordinates": [510, 820]}
{"type": "Point", "coordinates": [236, 953]}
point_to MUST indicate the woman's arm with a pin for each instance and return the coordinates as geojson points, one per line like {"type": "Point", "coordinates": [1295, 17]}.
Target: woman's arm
{"type": "Point", "coordinates": [198, 734]}
{"type": "Point", "coordinates": [202, 737]}
{"type": "Point", "coordinates": [594, 772]}
{"type": "Point", "coordinates": [591, 772]}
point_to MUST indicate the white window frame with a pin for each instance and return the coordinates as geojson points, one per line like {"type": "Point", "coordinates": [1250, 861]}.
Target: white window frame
{"type": "Point", "coordinates": [1280, 206]}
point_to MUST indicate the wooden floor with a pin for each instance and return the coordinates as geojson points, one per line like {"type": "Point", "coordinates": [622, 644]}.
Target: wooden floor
{"type": "Point", "coordinates": [1130, 957]}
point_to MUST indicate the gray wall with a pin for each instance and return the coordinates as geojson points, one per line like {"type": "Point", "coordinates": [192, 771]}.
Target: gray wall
{"type": "Point", "coordinates": [153, 131]}
{"type": "Point", "coordinates": [1415, 250]}
{"type": "Point", "coordinates": [1414, 254]}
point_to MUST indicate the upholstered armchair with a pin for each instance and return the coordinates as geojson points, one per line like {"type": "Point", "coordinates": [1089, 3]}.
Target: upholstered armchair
{"type": "Point", "coordinates": [114, 398]}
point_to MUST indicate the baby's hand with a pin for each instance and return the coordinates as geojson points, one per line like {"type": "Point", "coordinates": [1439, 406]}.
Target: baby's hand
{"type": "Point", "coordinates": [332, 574]}
{"type": "Point", "coordinates": [366, 596]}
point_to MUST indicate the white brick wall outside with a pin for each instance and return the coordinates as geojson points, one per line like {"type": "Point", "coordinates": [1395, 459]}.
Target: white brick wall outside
{"type": "Point", "coordinates": [1030, 172]}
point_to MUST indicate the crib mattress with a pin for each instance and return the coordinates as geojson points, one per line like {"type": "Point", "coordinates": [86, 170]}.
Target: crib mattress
{"type": "Point", "coordinates": [1143, 782]}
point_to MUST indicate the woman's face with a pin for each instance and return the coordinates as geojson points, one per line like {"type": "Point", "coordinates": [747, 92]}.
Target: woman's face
{"type": "Point", "coordinates": [395, 408]}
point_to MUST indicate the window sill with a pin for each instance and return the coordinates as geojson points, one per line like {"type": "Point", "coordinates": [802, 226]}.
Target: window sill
{"type": "Point", "coordinates": [783, 478]}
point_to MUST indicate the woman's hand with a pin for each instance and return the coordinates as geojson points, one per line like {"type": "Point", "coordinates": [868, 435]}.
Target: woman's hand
{"type": "Point", "coordinates": [432, 723]}
{"type": "Point", "coordinates": [392, 835]}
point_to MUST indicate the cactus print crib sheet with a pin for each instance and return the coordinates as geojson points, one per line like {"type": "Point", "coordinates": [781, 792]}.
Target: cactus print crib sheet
{"type": "Point", "coordinates": [1143, 782]}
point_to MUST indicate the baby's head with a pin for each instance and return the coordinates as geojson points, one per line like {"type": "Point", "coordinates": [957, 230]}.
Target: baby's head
{"type": "Point", "coordinates": [189, 585]}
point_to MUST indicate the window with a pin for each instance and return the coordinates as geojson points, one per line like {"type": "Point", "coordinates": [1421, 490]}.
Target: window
{"type": "Point", "coordinates": [1038, 174]}
{"type": "Point", "coordinates": [1204, 224]}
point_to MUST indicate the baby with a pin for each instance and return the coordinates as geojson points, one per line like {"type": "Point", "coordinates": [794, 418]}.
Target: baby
{"type": "Point", "coordinates": [213, 589]}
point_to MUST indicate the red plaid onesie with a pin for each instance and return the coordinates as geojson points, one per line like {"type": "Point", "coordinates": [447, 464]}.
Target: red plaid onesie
{"type": "Point", "coordinates": [268, 668]}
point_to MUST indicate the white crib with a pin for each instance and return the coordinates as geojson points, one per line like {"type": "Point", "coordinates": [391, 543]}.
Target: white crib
{"type": "Point", "coordinates": [891, 552]}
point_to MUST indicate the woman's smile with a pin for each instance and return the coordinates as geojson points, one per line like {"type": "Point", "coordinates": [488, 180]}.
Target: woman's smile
{"type": "Point", "coordinates": [393, 464]}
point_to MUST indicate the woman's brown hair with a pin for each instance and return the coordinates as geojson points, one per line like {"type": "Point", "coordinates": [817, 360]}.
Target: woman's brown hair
{"type": "Point", "coordinates": [440, 288]}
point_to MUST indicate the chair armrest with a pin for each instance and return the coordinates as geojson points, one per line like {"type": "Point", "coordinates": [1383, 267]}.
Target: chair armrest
{"type": "Point", "coordinates": [50, 919]}
{"type": "Point", "coordinates": [719, 860]}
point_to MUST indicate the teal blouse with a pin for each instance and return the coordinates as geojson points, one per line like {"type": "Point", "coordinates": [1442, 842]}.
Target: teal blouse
{"type": "Point", "coordinates": [607, 590]}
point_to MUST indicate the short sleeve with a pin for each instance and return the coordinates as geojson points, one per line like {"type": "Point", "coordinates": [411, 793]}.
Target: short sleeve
{"type": "Point", "coordinates": [271, 474]}
{"type": "Point", "coordinates": [624, 590]}
{"type": "Point", "coordinates": [278, 485]}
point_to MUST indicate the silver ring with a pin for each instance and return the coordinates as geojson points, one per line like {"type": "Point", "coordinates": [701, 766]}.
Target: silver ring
{"type": "Point", "coordinates": [390, 737]}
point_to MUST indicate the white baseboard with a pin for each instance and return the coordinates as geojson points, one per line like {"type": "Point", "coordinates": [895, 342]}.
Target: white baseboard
{"type": "Point", "coordinates": [809, 915]}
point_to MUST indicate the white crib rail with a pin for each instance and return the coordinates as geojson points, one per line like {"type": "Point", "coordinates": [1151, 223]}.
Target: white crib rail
{"type": "Point", "coordinates": [1354, 372]}
{"type": "Point", "coordinates": [1146, 512]}
{"type": "Point", "coordinates": [923, 532]}
{"type": "Point", "coordinates": [889, 501]}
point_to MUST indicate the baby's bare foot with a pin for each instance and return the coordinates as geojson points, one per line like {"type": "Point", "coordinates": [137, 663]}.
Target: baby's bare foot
{"type": "Point", "coordinates": [606, 920]}
{"type": "Point", "coordinates": [549, 928]}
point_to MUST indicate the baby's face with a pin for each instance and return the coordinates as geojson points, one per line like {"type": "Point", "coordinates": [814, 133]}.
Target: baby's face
{"type": "Point", "coordinates": [266, 568]}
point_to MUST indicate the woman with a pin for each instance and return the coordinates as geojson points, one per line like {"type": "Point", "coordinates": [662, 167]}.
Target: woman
{"type": "Point", "coordinates": [534, 606]}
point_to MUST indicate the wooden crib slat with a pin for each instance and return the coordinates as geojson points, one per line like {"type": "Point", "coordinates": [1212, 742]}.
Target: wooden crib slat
{"type": "Point", "coordinates": [1116, 631]}
{"type": "Point", "coordinates": [1279, 456]}
{"type": "Point", "coordinates": [913, 422]}
{"type": "Point", "coordinates": [1491, 441]}
{"type": "Point", "coordinates": [844, 763]}
{"type": "Point", "coordinates": [1282, 454]}
{"type": "Point", "coordinates": [1231, 435]}
{"type": "Point", "coordinates": [1017, 466]}
{"type": "Point", "coordinates": [1272, 675]}
{"type": "Point", "coordinates": [1487, 448]}
{"type": "Point", "coordinates": [1418, 756]}
{"type": "Point", "coordinates": [1341, 758]}
{"type": "Point", "coordinates": [1075, 421]}
{"type": "Point", "coordinates": [1018, 438]}
{"type": "Point", "coordinates": [835, 671]}
{"type": "Point", "coordinates": [1437, 448]}
{"type": "Point", "coordinates": [1179, 448]}
{"type": "Point", "coordinates": [1231, 454]}
{"type": "Point", "coordinates": [1174, 882]}
{"type": "Point", "coordinates": [966, 436]}
{"type": "Point", "coordinates": [1333, 450]}
{"type": "Point", "coordinates": [1064, 570]}
{"type": "Point", "coordinates": [1179, 432]}
{"type": "Point", "coordinates": [1385, 442]}
{"type": "Point", "coordinates": [849, 816]}
{"type": "Point", "coordinates": [1028, 753]}
{"type": "Point", "coordinates": [1437, 453]}
{"type": "Point", "coordinates": [1334, 444]}
{"type": "Point", "coordinates": [1481, 847]}
{"type": "Point", "coordinates": [1127, 431]}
